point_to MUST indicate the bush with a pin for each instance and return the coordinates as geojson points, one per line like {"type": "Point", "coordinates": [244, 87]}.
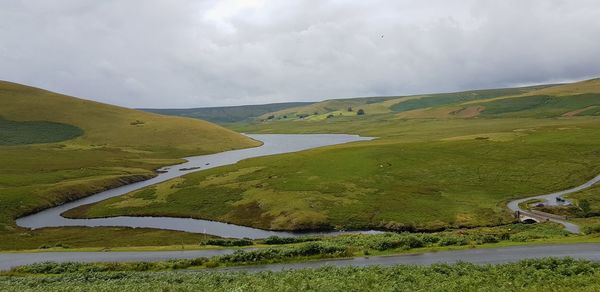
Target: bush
{"type": "Point", "coordinates": [274, 254]}
{"type": "Point", "coordinates": [229, 242]}
{"type": "Point", "coordinates": [487, 238]}
{"type": "Point", "coordinates": [452, 240]}
{"type": "Point", "coordinates": [287, 240]}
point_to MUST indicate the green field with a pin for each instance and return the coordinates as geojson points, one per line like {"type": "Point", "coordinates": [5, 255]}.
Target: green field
{"type": "Point", "coordinates": [527, 275]}
{"type": "Point", "coordinates": [87, 147]}
{"type": "Point", "coordinates": [426, 173]}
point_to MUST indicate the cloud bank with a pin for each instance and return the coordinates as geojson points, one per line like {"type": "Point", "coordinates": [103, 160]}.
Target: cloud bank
{"type": "Point", "coordinates": [187, 53]}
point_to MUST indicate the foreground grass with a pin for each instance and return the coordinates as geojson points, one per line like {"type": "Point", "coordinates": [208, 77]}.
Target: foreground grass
{"type": "Point", "coordinates": [528, 275]}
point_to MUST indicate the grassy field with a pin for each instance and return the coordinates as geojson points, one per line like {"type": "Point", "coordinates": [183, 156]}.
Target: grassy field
{"type": "Point", "coordinates": [527, 275]}
{"type": "Point", "coordinates": [449, 171]}
{"type": "Point", "coordinates": [108, 146]}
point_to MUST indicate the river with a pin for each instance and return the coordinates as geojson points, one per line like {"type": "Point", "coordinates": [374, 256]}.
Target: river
{"type": "Point", "coordinates": [272, 144]}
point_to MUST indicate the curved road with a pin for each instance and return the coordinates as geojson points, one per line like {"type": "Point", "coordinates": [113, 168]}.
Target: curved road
{"type": "Point", "coordinates": [589, 251]}
{"type": "Point", "coordinates": [550, 200]}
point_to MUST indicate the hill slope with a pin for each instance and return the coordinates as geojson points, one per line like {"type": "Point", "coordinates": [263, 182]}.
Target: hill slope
{"type": "Point", "coordinates": [227, 114]}
{"type": "Point", "coordinates": [108, 125]}
{"type": "Point", "coordinates": [55, 148]}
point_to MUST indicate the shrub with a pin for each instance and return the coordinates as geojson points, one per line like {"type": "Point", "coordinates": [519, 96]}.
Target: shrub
{"type": "Point", "coordinates": [287, 240]}
{"type": "Point", "coordinates": [229, 242]}
{"type": "Point", "coordinates": [452, 240]}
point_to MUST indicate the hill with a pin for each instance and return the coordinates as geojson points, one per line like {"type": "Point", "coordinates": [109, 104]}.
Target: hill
{"type": "Point", "coordinates": [540, 100]}
{"type": "Point", "coordinates": [228, 114]}
{"type": "Point", "coordinates": [55, 148]}
{"type": "Point", "coordinates": [109, 125]}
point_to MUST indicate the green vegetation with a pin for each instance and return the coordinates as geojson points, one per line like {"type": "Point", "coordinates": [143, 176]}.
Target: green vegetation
{"type": "Point", "coordinates": [451, 162]}
{"type": "Point", "coordinates": [528, 275]}
{"type": "Point", "coordinates": [109, 146]}
{"type": "Point", "coordinates": [16, 133]}
{"type": "Point", "coordinates": [228, 114]}
{"type": "Point", "coordinates": [316, 247]}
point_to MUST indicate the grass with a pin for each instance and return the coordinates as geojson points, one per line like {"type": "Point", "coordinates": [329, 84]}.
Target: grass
{"type": "Point", "coordinates": [108, 146]}
{"type": "Point", "coordinates": [424, 179]}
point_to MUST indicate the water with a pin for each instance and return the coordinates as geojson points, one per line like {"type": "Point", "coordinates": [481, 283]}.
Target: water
{"type": "Point", "coordinates": [273, 144]}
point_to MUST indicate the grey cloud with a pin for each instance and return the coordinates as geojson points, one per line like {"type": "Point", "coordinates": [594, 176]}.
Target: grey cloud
{"type": "Point", "coordinates": [207, 53]}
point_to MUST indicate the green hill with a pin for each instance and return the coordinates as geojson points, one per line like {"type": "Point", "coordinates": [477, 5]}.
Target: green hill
{"type": "Point", "coordinates": [55, 148]}
{"type": "Point", "coordinates": [552, 100]}
{"type": "Point", "coordinates": [109, 125]}
{"type": "Point", "coordinates": [228, 114]}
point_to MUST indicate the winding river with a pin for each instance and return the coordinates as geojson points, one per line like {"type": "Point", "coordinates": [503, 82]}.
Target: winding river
{"type": "Point", "coordinates": [272, 144]}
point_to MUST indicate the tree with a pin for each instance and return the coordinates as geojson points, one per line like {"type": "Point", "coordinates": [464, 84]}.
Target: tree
{"type": "Point", "coordinates": [360, 112]}
{"type": "Point", "coordinates": [349, 108]}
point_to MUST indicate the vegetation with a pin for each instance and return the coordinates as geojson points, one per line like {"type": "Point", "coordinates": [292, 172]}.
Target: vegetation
{"type": "Point", "coordinates": [527, 275]}
{"type": "Point", "coordinates": [109, 146]}
{"type": "Point", "coordinates": [421, 174]}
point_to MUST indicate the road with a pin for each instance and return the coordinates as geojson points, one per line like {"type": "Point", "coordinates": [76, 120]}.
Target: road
{"type": "Point", "coordinates": [589, 251]}
{"type": "Point", "coordinates": [550, 200]}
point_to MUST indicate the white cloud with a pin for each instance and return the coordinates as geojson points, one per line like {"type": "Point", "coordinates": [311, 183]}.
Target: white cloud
{"type": "Point", "coordinates": [204, 53]}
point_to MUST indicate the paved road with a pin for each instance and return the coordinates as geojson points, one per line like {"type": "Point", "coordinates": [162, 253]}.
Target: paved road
{"type": "Point", "coordinates": [477, 256]}
{"type": "Point", "coordinates": [550, 200]}
{"type": "Point", "coordinates": [590, 251]}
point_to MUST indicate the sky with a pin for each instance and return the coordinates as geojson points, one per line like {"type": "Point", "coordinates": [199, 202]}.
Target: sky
{"type": "Point", "coordinates": [190, 53]}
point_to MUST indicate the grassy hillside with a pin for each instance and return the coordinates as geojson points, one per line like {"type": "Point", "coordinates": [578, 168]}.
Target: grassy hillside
{"type": "Point", "coordinates": [431, 168]}
{"type": "Point", "coordinates": [108, 146]}
{"type": "Point", "coordinates": [106, 125]}
{"type": "Point", "coordinates": [337, 108]}
{"type": "Point", "coordinates": [228, 114]}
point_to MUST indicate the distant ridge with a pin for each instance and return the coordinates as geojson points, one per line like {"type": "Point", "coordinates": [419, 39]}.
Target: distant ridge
{"type": "Point", "coordinates": [228, 114]}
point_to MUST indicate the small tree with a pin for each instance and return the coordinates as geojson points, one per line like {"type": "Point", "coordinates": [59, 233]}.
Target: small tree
{"type": "Point", "coordinates": [360, 112]}
{"type": "Point", "coordinates": [329, 116]}
{"type": "Point", "coordinates": [349, 108]}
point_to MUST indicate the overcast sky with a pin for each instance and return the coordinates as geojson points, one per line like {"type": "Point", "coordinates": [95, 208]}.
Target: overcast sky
{"type": "Point", "coordinates": [151, 53]}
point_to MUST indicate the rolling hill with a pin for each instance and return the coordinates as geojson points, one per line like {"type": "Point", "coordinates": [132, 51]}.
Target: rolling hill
{"type": "Point", "coordinates": [55, 148]}
{"type": "Point", "coordinates": [228, 114]}
{"type": "Point", "coordinates": [549, 100]}
{"type": "Point", "coordinates": [109, 125]}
